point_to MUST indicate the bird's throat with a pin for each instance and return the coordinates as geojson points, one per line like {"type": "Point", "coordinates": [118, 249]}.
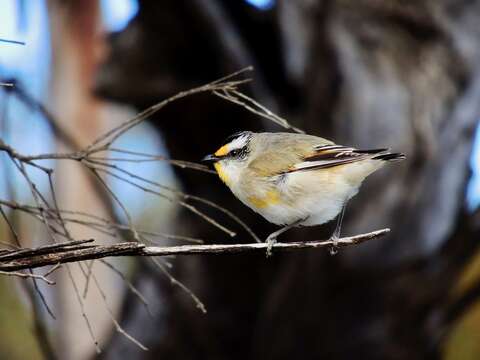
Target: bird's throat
{"type": "Point", "coordinates": [221, 173]}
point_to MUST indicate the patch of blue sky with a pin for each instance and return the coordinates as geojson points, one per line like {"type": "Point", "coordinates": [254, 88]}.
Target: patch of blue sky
{"type": "Point", "coordinates": [473, 191]}
{"type": "Point", "coordinates": [117, 13]}
{"type": "Point", "coordinates": [262, 4]}
{"type": "Point", "coordinates": [143, 139]}
{"type": "Point", "coordinates": [29, 134]}
{"type": "Point", "coordinates": [29, 64]}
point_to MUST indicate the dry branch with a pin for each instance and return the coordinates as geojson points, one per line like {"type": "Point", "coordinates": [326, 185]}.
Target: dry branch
{"type": "Point", "coordinates": [90, 252]}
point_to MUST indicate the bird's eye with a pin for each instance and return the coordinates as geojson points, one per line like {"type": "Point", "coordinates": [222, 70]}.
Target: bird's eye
{"type": "Point", "coordinates": [234, 153]}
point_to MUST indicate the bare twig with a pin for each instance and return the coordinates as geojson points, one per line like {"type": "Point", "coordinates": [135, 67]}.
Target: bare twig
{"type": "Point", "coordinates": [137, 249]}
{"type": "Point", "coordinates": [11, 227]}
{"type": "Point", "coordinates": [129, 284]}
{"type": "Point", "coordinates": [21, 168]}
{"type": "Point", "coordinates": [82, 309]}
{"type": "Point", "coordinates": [182, 286]}
{"type": "Point", "coordinates": [28, 276]}
{"type": "Point", "coordinates": [12, 41]}
{"type": "Point", "coordinates": [178, 193]}
{"type": "Point", "coordinates": [253, 106]}
{"type": "Point", "coordinates": [117, 325]}
{"type": "Point", "coordinates": [93, 222]}
{"type": "Point", "coordinates": [118, 201]}
{"type": "Point", "coordinates": [33, 292]}
{"type": "Point", "coordinates": [144, 157]}
{"type": "Point", "coordinates": [39, 324]}
{"type": "Point", "coordinates": [88, 277]}
{"type": "Point", "coordinates": [189, 207]}
{"type": "Point", "coordinates": [53, 269]}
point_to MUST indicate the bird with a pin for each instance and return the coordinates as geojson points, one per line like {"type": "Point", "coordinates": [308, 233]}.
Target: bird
{"type": "Point", "coordinates": [294, 179]}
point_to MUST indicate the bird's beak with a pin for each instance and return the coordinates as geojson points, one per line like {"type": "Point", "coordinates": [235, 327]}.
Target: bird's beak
{"type": "Point", "coordinates": [211, 158]}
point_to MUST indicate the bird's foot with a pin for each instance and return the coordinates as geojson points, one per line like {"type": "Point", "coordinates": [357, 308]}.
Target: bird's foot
{"type": "Point", "coordinates": [334, 248]}
{"type": "Point", "coordinates": [271, 240]}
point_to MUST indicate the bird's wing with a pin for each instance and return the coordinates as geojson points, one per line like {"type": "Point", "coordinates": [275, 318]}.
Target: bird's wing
{"type": "Point", "coordinates": [330, 155]}
{"type": "Point", "coordinates": [304, 152]}
{"type": "Point", "coordinates": [291, 149]}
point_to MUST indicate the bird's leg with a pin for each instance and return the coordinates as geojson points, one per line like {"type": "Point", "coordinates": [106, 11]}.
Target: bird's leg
{"type": "Point", "coordinates": [336, 233]}
{"type": "Point", "coordinates": [272, 238]}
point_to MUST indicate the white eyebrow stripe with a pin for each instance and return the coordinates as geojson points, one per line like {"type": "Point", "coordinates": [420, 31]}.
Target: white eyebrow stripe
{"type": "Point", "coordinates": [238, 143]}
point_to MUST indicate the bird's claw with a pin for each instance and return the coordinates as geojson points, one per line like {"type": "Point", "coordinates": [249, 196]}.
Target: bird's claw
{"type": "Point", "coordinates": [334, 248]}
{"type": "Point", "coordinates": [270, 242]}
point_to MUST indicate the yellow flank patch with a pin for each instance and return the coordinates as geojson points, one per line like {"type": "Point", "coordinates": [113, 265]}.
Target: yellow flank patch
{"type": "Point", "coordinates": [272, 197]}
{"type": "Point", "coordinates": [222, 151]}
{"type": "Point", "coordinates": [221, 173]}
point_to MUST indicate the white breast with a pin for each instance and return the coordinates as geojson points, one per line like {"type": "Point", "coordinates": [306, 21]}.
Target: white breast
{"type": "Point", "coordinates": [317, 195]}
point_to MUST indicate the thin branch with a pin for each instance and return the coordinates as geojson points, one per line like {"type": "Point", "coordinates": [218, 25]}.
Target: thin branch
{"type": "Point", "coordinates": [182, 286]}
{"type": "Point", "coordinates": [12, 41]}
{"type": "Point", "coordinates": [88, 277]}
{"type": "Point", "coordinates": [21, 168]}
{"type": "Point", "coordinates": [145, 157]}
{"type": "Point", "coordinates": [97, 223]}
{"type": "Point", "coordinates": [189, 207]}
{"type": "Point", "coordinates": [129, 284]}
{"type": "Point", "coordinates": [11, 227]}
{"type": "Point", "coordinates": [82, 309]}
{"type": "Point", "coordinates": [39, 323]}
{"type": "Point", "coordinates": [53, 269]}
{"type": "Point", "coordinates": [178, 193]}
{"type": "Point", "coordinates": [109, 137]}
{"type": "Point", "coordinates": [117, 325]}
{"type": "Point", "coordinates": [33, 292]}
{"type": "Point", "coordinates": [137, 249]}
{"type": "Point", "coordinates": [28, 276]}
{"type": "Point", "coordinates": [118, 201]}
{"type": "Point", "coordinates": [254, 107]}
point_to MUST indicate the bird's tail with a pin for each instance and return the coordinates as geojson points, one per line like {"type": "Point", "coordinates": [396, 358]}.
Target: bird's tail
{"type": "Point", "coordinates": [390, 157]}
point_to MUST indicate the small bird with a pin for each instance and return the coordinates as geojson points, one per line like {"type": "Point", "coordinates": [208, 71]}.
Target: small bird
{"type": "Point", "coordinates": [295, 179]}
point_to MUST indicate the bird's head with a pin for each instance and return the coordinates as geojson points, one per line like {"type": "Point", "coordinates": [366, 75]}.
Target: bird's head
{"type": "Point", "coordinates": [232, 156]}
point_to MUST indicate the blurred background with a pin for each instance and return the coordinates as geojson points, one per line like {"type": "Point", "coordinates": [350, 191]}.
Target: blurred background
{"type": "Point", "coordinates": [367, 73]}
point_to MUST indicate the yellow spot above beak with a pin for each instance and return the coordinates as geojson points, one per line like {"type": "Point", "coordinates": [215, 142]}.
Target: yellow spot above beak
{"type": "Point", "coordinates": [222, 151]}
{"type": "Point", "coordinates": [272, 197]}
{"type": "Point", "coordinates": [221, 173]}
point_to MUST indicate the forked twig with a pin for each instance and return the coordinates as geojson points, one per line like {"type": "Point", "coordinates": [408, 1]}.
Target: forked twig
{"type": "Point", "coordinates": [28, 276]}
